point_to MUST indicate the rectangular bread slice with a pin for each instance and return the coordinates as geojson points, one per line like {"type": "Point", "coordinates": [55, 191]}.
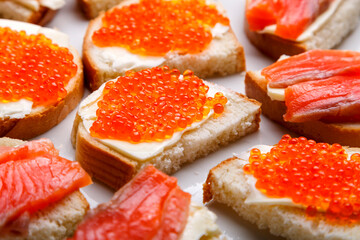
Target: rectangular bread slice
{"type": "Point", "coordinates": [223, 56]}
{"type": "Point", "coordinates": [241, 117]}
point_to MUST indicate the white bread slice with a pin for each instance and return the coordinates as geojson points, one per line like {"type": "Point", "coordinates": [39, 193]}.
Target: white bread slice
{"type": "Point", "coordinates": [17, 10]}
{"type": "Point", "coordinates": [241, 117]}
{"type": "Point", "coordinates": [328, 36]}
{"type": "Point", "coordinates": [56, 221]}
{"type": "Point", "coordinates": [41, 119]}
{"type": "Point", "coordinates": [344, 134]}
{"type": "Point", "coordinates": [92, 8]}
{"type": "Point", "coordinates": [223, 56]}
{"type": "Point", "coordinates": [226, 183]}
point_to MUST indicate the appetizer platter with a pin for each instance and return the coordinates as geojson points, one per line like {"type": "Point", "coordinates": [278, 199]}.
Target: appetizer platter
{"type": "Point", "coordinates": [192, 175]}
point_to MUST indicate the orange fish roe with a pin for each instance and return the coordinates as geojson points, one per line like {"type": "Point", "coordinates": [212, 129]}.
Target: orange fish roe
{"type": "Point", "coordinates": [33, 68]}
{"type": "Point", "coordinates": [155, 27]}
{"type": "Point", "coordinates": [316, 175]}
{"type": "Point", "coordinates": [152, 104]}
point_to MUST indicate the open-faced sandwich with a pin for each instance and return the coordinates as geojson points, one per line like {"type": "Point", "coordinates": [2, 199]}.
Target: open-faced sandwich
{"type": "Point", "coordinates": [182, 34]}
{"type": "Point", "coordinates": [315, 94]}
{"type": "Point", "coordinates": [149, 207]}
{"type": "Point", "coordinates": [41, 79]}
{"type": "Point", "coordinates": [39, 191]}
{"type": "Point", "coordinates": [298, 189]}
{"type": "Point", "coordinates": [31, 11]}
{"type": "Point", "coordinates": [157, 116]}
{"type": "Point", "coordinates": [292, 27]}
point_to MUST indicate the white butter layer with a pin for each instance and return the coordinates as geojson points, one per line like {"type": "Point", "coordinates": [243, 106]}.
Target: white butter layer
{"type": "Point", "coordinates": [23, 107]}
{"type": "Point", "coordinates": [257, 197]}
{"type": "Point", "coordinates": [140, 151]}
{"type": "Point", "coordinates": [15, 110]}
{"type": "Point", "coordinates": [314, 27]}
{"type": "Point", "coordinates": [121, 60]}
{"type": "Point", "coordinates": [52, 4]}
{"type": "Point", "coordinates": [201, 222]}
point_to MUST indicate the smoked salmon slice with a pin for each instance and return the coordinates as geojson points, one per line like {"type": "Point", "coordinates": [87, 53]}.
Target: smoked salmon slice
{"type": "Point", "coordinates": [291, 17]}
{"type": "Point", "coordinates": [312, 65]}
{"type": "Point", "coordinates": [335, 99]}
{"type": "Point", "coordinates": [29, 149]}
{"type": "Point", "coordinates": [151, 206]}
{"type": "Point", "coordinates": [32, 183]}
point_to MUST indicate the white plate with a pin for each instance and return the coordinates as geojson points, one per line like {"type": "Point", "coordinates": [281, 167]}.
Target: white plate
{"type": "Point", "coordinates": [71, 21]}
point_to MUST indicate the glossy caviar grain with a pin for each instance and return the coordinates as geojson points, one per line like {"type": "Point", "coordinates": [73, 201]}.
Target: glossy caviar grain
{"type": "Point", "coordinates": [33, 68]}
{"type": "Point", "coordinates": [316, 175]}
{"type": "Point", "coordinates": [152, 104]}
{"type": "Point", "coordinates": [155, 27]}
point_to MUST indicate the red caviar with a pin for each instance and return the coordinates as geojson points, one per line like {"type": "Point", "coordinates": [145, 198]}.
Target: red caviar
{"type": "Point", "coordinates": [316, 175]}
{"type": "Point", "coordinates": [155, 27]}
{"type": "Point", "coordinates": [33, 68]}
{"type": "Point", "coordinates": [152, 104]}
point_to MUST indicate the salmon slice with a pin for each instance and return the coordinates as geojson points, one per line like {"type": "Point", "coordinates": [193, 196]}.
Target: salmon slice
{"type": "Point", "coordinates": [142, 209]}
{"type": "Point", "coordinates": [29, 185]}
{"type": "Point", "coordinates": [312, 65]}
{"type": "Point", "coordinates": [335, 99]}
{"type": "Point", "coordinates": [291, 17]}
{"type": "Point", "coordinates": [27, 150]}
{"type": "Point", "coordinates": [176, 207]}
{"type": "Point", "coordinates": [260, 14]}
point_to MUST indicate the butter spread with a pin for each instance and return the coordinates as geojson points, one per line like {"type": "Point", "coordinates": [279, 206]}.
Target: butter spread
{"type": "Point", "coordinates": [15, 110]}
{"type": "Point", "coordinates": [52, 4]}
{"type": "Point", "coordinates": [200, 223]}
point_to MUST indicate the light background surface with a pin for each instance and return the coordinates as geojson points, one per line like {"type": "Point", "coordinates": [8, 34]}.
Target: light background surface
{"type": "Point", "coordinates": [71, 21]}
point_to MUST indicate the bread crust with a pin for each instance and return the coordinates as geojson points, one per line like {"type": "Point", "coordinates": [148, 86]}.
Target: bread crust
{"type": "Point", "coordinates": [273, 45]}
{"type": "Point", "coordinates": [42, 119]}
{"type": "Point", "coordinates": [328, 36]}
{"type": "Point", "coordinates": [115, 169]}
{"type": "Point", "coordinates": [256, 88]}
{"type": "Point", "coordinates": [100, 161]}
{"type": "Point", "coordinates": [202, 65]}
